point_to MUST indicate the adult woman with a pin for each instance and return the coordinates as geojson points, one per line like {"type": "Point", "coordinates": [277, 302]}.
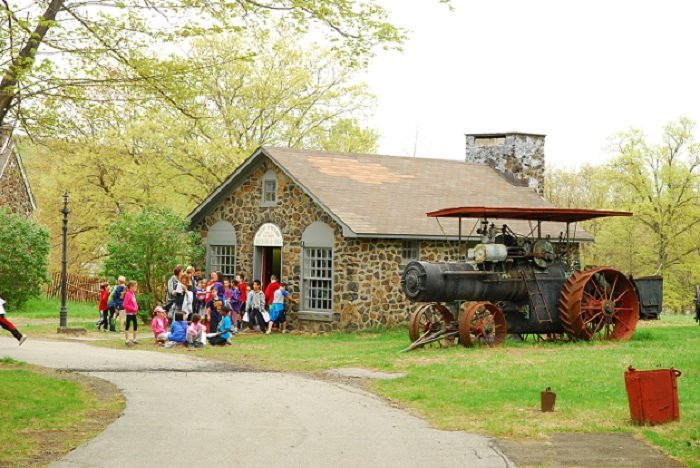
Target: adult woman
{"type": "Point", "coordinates": [171, 288]}
{"type": "Point", "coordinates": [183, 289]}
{"type": "Point", "coordinates": [255, 308]}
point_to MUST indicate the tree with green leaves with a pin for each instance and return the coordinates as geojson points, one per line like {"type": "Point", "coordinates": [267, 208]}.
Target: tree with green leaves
{"type": "Point", "coordinates": [145, 246]}
{"type": "Point", "coordinates": [66, 49]}
{"type": "Point", "coordinates": [24, 252]}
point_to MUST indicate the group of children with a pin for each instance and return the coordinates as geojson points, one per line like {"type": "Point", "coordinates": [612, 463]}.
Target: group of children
{"type": "Point", "coordinates": [120, 305]}
{"type": "Point", "coordinates": [194, 315]}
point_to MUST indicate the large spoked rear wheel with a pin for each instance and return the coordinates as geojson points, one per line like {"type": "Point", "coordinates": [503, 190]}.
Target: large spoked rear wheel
{"type": "Point", "coordinates": [430, 320]}
{"type": "Point", "coordinates": [481, 323]}
{"type": "Point", "coordinates": [600, 303]}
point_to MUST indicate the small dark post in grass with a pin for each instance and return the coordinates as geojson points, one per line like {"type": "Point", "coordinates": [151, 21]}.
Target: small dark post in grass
{"type": "Point", "coordinates": [63, 315]}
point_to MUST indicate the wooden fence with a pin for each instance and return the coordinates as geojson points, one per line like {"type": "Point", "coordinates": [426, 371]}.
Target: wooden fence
{"type": "Point", "coordinates": [79, 288]}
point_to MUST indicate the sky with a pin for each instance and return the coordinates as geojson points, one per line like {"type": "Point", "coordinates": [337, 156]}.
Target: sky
{"type": "Point", "coordinates": [576, 71]}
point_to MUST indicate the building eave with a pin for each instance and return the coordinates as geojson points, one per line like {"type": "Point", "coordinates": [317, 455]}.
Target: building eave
{"type": "Point", "coordinates": [231, 181]}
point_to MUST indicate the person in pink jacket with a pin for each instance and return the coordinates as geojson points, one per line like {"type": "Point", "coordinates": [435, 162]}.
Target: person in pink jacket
{"type": "Point", "coordinates": [159, 325]}
{"type": "Point", "coordinates": [131, 308]}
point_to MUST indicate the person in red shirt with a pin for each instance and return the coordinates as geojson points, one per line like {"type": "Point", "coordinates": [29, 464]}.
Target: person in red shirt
{"type": "Point", "coordinates": [243, 287]}
{"type": "Point", "coordinates": [104, 298]}
{"type": "Point", "coordinates": [270, 289]}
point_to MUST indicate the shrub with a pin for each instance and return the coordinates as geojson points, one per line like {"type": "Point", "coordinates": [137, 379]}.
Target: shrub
{"type": "Point", "coordinates": [145, 247]}
{"type": "Point", "coordinates": [24, 253]}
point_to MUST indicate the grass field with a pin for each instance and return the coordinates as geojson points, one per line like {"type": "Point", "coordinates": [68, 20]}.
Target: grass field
{"type": "Point", "coordinates": [44, 416]}
{"type": "Point", "coordinates": [45, 308]}
{"type": "Point", "coordinates": [496, 391]}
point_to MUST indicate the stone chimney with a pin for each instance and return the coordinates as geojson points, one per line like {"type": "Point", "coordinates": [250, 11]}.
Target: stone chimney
{"type": "Point", "coordinates": [518, 156]}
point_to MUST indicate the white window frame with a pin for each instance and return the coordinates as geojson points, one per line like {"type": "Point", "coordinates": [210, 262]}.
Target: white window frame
{"type": "Point", "coordinates": [223, 258]}
{"type": "Point", "coordinates": [269, 178]}
{"type": "Point", "coordinates": [317, 269]}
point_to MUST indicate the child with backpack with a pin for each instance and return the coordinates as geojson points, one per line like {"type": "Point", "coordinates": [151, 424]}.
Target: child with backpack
{"type": "Point", "coordinates": [116, 304]}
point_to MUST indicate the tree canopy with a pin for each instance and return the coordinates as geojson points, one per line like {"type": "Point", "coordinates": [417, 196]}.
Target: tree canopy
{"type": "Point", "coordinates": [660, 184]}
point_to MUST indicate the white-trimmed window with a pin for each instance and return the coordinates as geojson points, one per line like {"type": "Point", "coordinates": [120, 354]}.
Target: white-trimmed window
{"type": "Point", "coordinates": [410, 251]}
{"type": "Point", "coordinates": [317, 268]}
{"type": "Point", "coordinates": [269, 189]}
{"type": "Point", "coordinates": [221, 248]}
{"type": "Point", "coordinates": [223, 258]}
{"type": "Point", "coordinates": [318, 279]}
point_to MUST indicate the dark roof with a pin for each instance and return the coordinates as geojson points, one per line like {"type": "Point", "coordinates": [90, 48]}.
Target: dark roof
{"type": "Point", "coordinates": [388, 196]}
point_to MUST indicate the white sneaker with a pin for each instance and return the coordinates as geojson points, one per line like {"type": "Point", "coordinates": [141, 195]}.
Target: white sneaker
{"type": "Point", "coordinates": [22, 340]}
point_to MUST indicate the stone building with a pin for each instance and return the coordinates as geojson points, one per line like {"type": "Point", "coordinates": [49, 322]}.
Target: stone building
{"type": "Point", "coordinates": [338, 228]}
{"type": "Point", "coordinates": [15, 192]}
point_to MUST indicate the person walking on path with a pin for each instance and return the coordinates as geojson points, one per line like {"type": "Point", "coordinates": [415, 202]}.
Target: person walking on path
{"type": "Point", "coordinates": [255, 308]}
{"type": "Point", "coordinates": [102, 307]}
{"type": "Point", "coordinates": [277, 312]}
{"type": "Point", "coordinates": [7, 325]}
{"type": "Point", "coordinates": [131, 307]}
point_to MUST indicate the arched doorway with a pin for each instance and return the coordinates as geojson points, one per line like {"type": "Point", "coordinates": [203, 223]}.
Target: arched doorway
{"type": "Point", "coordinates": [267, 259]}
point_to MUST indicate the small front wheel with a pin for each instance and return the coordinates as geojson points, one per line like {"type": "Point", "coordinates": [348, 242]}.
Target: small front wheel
{"type": "Point", "coordinates": [481, 323]}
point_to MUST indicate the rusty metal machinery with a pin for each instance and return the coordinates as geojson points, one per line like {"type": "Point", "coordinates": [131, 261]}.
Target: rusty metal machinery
{"type": "Point", "coordinates": [512, 284]}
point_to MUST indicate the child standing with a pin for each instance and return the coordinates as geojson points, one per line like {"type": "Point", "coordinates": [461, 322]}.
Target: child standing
{"type": "Point", "coordinates": [200, 294]}
{"type": "Point", "coordinates": [7, 325]}
{"type": "Point", "coordinates": [116, 304]}
{"type": "Point", "coordinates": [104, 298]}
{"type": "Point", "coordinates": [131, 307]}
{"type": "Point", "coordinates": [228, 293]}
{"type": "Point", "coordinates": [195, 333]}
{"type": "Point", "coordinates": [277, 313]}
{"type": "Point", "coordinates": [159, 325]}
{"type": "Point", "coordinates": [235, 306]}
{"type": "Point", "coordinates": [255, 308]}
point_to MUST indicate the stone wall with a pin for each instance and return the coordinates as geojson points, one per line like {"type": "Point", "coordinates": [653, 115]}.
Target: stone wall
{"type": "Point", "coordinates": [13, 191]}
{"type": "Point", "coordinates": [366, 272]}
{"type": "Point", "coordinates": [520, 157]}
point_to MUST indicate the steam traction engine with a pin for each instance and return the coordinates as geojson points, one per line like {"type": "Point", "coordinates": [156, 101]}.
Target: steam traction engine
{"type": "Point", "coordinates": [518, 284]}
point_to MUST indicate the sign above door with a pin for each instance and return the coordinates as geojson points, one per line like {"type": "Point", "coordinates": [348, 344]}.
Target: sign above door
{"type": "Point", "coordinates": [269, 235]}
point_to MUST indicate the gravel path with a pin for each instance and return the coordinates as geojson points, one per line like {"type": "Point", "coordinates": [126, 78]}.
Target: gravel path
{"type": "Point", "coordinates": [184, 411]}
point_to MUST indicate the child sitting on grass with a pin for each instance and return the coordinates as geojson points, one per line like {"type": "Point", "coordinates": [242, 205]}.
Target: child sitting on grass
{"type": "Point", "coordinates": [178, 331]}
{"type": "Point", "coordinates": [223, 332]}
{"type": "Point", "coordinates": [195, 333]}
{"type": "Point", "coordinates": [159, 325]}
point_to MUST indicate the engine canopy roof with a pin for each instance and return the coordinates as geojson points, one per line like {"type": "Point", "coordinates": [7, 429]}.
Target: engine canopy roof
{"type": "Point", "coordinates": [565, 215]}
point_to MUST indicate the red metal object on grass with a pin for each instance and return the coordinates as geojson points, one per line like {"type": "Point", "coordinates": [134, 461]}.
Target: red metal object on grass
{"type": "Point", "coordinates": [652, 395]}
{"type": "Point", "coordinates": [564, 215]}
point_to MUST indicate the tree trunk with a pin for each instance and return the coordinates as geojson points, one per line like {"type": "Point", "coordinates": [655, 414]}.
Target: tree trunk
{"type": "Point", "coordinates": [25, 59]}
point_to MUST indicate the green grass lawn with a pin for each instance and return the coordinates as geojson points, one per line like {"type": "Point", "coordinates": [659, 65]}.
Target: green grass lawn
{"type": "Point", "coordinates": [497, 391]}
{"type": "Point", "coordinates": [44, 416]}
{"type": "Point", "coordinates": [45, 308]}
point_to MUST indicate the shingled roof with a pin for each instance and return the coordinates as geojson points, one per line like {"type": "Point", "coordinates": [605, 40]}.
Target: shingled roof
{"type": "Point", "coordinates": [371, 195]}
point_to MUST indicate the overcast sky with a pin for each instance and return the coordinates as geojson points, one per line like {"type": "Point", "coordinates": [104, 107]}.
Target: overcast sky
{"type": "Point", "coordinates": [575, 71]}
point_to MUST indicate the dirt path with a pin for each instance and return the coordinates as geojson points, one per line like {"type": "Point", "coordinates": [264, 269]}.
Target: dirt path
{"type": "Point", "coordinates": [184, 411]}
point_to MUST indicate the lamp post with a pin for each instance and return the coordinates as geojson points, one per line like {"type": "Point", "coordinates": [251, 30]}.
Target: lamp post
{"type": "Point", "coordinates": [63, 323]}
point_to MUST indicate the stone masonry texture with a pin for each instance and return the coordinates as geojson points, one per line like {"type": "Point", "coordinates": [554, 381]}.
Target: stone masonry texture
{"type": "Point", "coordinates": [520, 156]}
{"type": "Point", "coordinates": [366, 272]}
